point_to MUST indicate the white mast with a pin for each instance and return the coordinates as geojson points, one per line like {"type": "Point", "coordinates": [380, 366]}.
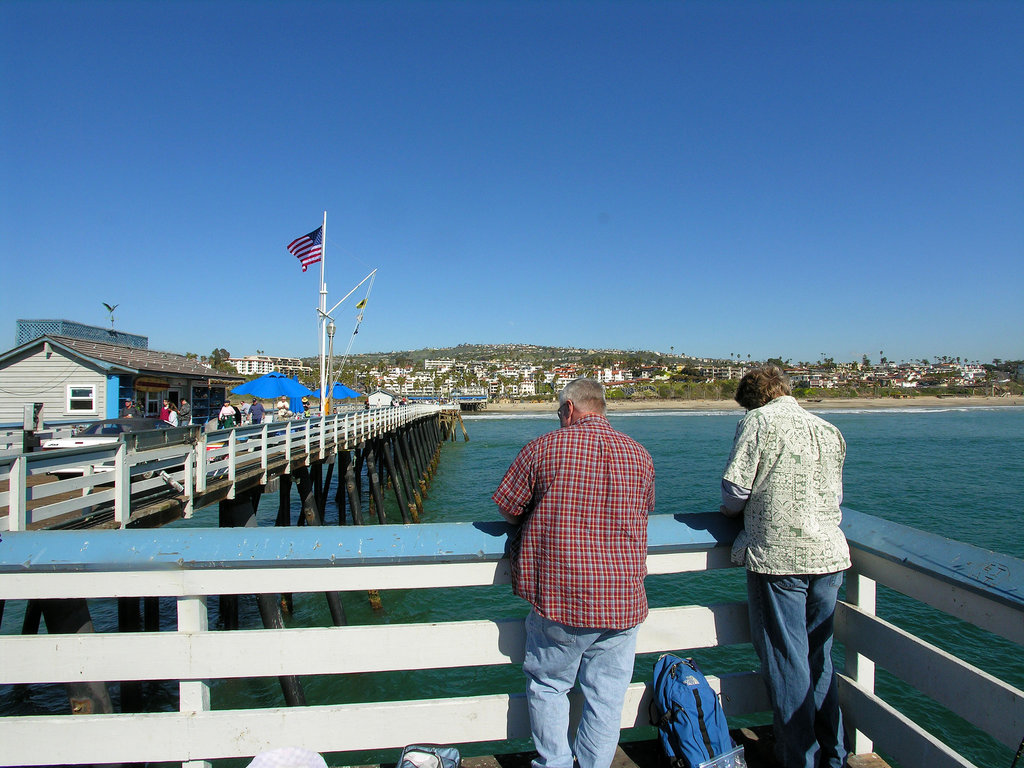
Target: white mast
{"type": "Point", "coordinates": [322, 313]}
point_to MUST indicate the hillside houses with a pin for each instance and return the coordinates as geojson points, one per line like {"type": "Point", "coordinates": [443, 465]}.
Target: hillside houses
{"type": "Point", "coordinates": [505, 379]}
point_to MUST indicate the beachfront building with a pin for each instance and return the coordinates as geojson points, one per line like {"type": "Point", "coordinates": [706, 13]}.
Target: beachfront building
{"type": "Point", "coordinates": [80, 378]}
{"type": "Point", "coordinates": [381, 398]}
{"type": "Point", "coordinates": [260, 365]}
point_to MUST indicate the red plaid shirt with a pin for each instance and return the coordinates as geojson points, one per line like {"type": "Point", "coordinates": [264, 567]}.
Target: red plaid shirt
{"type": "Point", "coordinates": [584, 492]}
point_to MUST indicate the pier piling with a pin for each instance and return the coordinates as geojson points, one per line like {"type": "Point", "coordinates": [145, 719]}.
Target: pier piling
{"type": "Point", "coordinates": [71, 617]}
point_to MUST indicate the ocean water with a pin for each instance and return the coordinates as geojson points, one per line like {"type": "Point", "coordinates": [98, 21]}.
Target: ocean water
{"type": "Point", "coordinates": [956, 472]}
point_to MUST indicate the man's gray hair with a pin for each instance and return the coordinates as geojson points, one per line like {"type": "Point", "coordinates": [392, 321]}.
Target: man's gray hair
{"type": "Point", "coordinates": [586, 394]}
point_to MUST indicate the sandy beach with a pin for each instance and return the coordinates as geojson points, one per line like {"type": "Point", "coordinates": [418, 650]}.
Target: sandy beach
{"type": "Point", "coordinates": [680, 404]}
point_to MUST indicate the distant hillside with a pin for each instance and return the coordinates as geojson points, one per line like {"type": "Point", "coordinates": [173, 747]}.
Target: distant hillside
{"type": "Point", "coordinates": [516, 352]}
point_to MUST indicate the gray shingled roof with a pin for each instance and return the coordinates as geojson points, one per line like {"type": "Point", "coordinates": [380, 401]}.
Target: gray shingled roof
{"type": "Point", "coordinates": [146, 360]}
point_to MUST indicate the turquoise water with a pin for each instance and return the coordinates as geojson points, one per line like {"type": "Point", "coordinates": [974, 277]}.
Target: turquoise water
{"type": "Point", "coordinates": [954, 472]}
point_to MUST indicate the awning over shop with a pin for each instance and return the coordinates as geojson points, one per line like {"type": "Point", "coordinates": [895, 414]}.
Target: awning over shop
{"type": "Point", "coordinates": [151, 384]}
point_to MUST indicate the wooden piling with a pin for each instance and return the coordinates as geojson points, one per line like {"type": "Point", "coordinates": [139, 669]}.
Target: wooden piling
{"type": "Point", "coordinates": [291, 687]}
{"type": "Point", "coordinates": [152, 614]}
{"type": "Point", "coordinates": [403, 456]}
{"type": "Point", "coordinates": [408, 510]}
{"type": "Point", "coordinates": [284, 505]}
{"type": "Point", "coordinates": [327, 486]}
{"type": "Point", "coordinates": [71, 617]}
{"type": "Point", "coordinates": [311, 514]}
{"type": "Point", "coordinates": [374, 480]}
{"type": "Point", "coordinates": [30, 622]}
{"type": "Point", "coordinates": [339, 494]}
{"type": "Point", "coordinates": [354, 502]}
{"type": "Point", "coordinates": [129, 619]}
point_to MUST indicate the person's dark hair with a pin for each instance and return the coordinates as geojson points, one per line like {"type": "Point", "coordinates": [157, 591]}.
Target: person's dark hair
{"type": "Point", "coordinates": [762, 385]}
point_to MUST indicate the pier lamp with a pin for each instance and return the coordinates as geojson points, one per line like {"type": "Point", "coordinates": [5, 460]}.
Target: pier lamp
{"type": "Point", "coordinates": [331, 328]}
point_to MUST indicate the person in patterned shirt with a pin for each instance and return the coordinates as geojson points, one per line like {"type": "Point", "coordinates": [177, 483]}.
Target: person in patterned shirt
{"type": "Point", "coordinates": [785, 476]}
{"type": "Point", "coordinates": [580, 497]}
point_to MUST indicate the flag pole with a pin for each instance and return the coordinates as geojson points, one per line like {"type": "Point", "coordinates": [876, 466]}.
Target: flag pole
{"type": "Point", "coordinates": [322, 314]}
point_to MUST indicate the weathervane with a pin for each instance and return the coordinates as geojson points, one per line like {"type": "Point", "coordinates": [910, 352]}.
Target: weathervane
{"type": "Point", "coordinates": [111, 309]}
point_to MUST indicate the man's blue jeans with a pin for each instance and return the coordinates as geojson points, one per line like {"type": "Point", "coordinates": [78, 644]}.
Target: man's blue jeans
{"type": "Point", "coordinates": [603, 659]}
{"type": "Point", "coordinates": [791, 629]}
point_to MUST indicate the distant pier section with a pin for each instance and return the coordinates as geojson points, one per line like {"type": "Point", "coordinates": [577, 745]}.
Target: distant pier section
{"type": "Point", "coordinates": [470, 398]}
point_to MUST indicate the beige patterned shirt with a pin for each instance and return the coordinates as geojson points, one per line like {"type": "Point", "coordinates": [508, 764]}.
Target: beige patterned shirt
{"type": "Point", "coordinates": [792, 462]}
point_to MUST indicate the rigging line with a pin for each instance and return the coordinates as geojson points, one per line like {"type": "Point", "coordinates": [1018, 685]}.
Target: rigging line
{"type": "Point", "coordinates": [345, 253]}
{"type": "Point", "coordinates": [359, 320]}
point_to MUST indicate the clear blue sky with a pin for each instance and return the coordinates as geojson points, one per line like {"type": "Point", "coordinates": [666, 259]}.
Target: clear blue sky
{"type": "Point", "coordinates": [762, 178]}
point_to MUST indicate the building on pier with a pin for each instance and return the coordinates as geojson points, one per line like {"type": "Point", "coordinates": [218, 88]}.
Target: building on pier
{"type": "Point", "coordinates": [84, 378]}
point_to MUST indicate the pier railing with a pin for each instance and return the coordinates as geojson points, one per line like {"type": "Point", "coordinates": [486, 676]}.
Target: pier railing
{"type": "Point", "coordinates": [188, 566]}
{"type": "Point", "coordinates": [102, 481]}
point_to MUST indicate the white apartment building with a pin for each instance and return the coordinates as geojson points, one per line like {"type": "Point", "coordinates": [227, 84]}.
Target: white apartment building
{"type": "Point", "coordinates": [438, 365]}
{"type": "Point", "coordinates": [259, 365]}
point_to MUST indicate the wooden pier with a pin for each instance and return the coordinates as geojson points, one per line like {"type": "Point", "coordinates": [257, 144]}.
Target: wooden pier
{"type": "Point", "coordinates": [150, 479]}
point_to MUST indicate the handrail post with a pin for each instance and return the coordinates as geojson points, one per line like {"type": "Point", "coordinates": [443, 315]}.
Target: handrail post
{"type": "Point", "coordinates": [288, 445]}
{"type": "Point", "coordinates": [264, 450]}
{"type": "Point", "coordinates": [861, 592]}
{"type": "Point", "coordinates": [201, 462]}
{"type": "Point", "coordinates": [122, 486]}
{"type": "Point", "coordinates": [193, 695]}
{"type": "Point", "coordinates": [17, 506]}
{"type": "Point", "coordinates": [307, 441]}
{"type": "Point", "coordinates": [232, 447]}
{"type": "Point", "coordinates": [190, 482]}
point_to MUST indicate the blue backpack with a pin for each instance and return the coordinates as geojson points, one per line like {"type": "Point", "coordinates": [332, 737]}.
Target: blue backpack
{"type": "Point", "coordinates": [429, 756]}
{"type": "Point", "coordinates": [691, 724]}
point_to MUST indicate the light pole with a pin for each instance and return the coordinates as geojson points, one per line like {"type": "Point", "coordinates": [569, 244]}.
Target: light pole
{"type": "Point", "coordinates": [331, 328]}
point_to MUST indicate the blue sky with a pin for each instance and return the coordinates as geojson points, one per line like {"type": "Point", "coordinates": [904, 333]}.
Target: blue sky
{"type": "Point", "coordinates": [794, 179]}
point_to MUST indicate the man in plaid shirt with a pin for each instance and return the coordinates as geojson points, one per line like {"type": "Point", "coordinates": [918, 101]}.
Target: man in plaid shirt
{"type": "Point", "coordinates": [581, 496]}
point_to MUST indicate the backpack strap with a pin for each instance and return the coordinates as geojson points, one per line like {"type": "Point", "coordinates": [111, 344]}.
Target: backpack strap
{"type": "Point", "coordinates": [703, 726]}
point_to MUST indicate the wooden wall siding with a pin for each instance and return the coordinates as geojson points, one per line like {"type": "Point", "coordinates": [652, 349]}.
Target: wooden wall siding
{"type": "Point", "coordinates": [35, 378]}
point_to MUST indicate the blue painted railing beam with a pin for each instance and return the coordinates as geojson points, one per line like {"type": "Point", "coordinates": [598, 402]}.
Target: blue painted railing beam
{"type": "Point", "coordinates": [999, 577]}
{"type": "Point", "coordinates": [164, 549]}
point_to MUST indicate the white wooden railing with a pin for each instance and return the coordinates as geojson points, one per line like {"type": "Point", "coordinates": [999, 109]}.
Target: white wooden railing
{"type": "Point", "coordinates": [191, 565]}
{"type": "Point", "coordinates": [178, 460]}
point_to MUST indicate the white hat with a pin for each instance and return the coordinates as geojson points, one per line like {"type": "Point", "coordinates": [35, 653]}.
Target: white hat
{"type": "Point", "coordinates": [288, 757]}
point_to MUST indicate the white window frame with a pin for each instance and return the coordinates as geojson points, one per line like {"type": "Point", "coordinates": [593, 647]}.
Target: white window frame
{"type": "Point", "coordinates": [69, 399]}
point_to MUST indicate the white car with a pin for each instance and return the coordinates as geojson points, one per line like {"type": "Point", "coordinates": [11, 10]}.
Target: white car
{"type": "Point", "coordinates": [98, 433]}
{"type": "Point", "coordinates": [104, 433]}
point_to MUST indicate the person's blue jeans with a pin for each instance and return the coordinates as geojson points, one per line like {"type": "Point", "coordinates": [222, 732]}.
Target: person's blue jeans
{"type": "Point", "coordinates": [603, 660]}
{"type": "Point", "coordinates": [791, 629]}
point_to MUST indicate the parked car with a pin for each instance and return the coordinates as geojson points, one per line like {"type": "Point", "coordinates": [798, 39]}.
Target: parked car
{"type": "Point", "coordinates": [103, 433]}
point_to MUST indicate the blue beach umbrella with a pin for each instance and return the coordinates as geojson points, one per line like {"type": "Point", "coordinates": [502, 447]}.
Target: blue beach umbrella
{"type": "Point", "coordinates": [341, 392]}
{"type": "Point", "coordinates": [272, 385]}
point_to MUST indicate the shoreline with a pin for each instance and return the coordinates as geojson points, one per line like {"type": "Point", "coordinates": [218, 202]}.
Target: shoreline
{"type": "Point", "coordinates": [838, 403]}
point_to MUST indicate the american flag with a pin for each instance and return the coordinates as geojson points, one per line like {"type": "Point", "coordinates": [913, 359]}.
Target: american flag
{"type": "Point", "coordinates": [309, 248]}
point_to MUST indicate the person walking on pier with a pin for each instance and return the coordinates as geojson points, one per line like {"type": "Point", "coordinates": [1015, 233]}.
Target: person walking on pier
{"type": "Point", "coordinates": [226, 417]}
{"type": "Point", "coordinates": [580, 496]}
{"type": "Point", "coordinates": [785, 476]}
